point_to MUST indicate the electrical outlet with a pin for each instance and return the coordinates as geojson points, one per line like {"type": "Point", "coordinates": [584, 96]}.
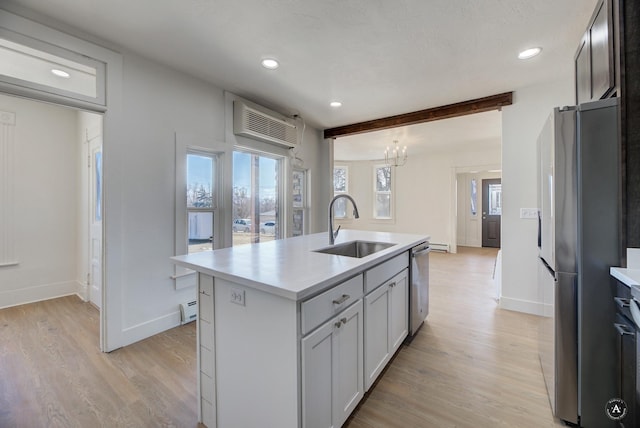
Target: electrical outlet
{"type": "Point", "coordinates": [237, 296]}
{"type": "Point", "coordinates": [531, 213]}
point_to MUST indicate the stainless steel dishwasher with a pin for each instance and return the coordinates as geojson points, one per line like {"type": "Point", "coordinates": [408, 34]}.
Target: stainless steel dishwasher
{"type": "Point", "coordinates": [419, 296]}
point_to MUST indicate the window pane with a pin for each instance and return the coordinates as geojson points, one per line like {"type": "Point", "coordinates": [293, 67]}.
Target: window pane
{"type": "Point", "coordinates": [47, 71]}
{"type": "Point", "coordinates": [340, 208]}
{"type": "Point", "coordinates": [383, 179]}
{"type": "Point", "coordinates": [98, 189]}
{"type": "Point", "coordinates": [255, 202]}
{"type": "Point", "coordinates": [383, 205]}
{"type": "Point", "coordinates": [200, 186]}
{"type": "Point", "coordinates": [299, 189]}
{"type": "Point", "coordinates": [495, 199]}
{"type": "Point", "coordinates": [474, 196]}
{"type": "Point", "coordinates": [200, 231]}
{"type": "Point", "coordinates": [340, 179]}
{"type": "Point", "coordinates": [298, 222]}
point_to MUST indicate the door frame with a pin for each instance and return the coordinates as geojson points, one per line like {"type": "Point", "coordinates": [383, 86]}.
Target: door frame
{"type": "Point", "coordinates": [453, 209]}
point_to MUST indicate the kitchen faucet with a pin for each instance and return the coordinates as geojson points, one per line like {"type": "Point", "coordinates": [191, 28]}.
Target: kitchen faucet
{"type": "Point", "coordinates": [333, 235]}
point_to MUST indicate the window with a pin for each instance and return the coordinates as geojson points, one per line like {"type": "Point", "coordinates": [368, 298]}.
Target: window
{"type": "Point", "coordinates": [299, 202]}
{"type": "Point", "coordinates": [256, 202]}
{"type": "Point", "coordinates": [495, 199]}
{"type": "Point", "coordinates": [340, 186]}
{"type": "Point", "coordinates": [34, 64]}
{"type": "Point", "coordinates": [474, 197]}
{"type": "Point", "coordinates": [382, 188]}
{"type": "Point", "coordinates": [201, 201]}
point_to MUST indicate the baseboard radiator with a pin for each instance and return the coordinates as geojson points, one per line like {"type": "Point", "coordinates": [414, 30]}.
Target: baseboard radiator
{"type": "Point", "coordinates": [444, 248]}
{"type": "Point", "coordinates": [188, 311]}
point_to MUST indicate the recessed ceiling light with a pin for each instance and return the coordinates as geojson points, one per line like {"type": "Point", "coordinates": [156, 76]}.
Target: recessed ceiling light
{"type": "Point", "coordinates": [335, 104]}
{"type": "Point", "coordinates": [270, 63]}
{"type": "Point", "coordinates": [60, 73]}
{"type": "Point", "coordinates": [529, 53]}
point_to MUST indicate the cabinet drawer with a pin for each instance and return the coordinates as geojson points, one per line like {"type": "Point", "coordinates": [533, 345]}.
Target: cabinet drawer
{"type": "Point", "coordinates": [322, 307]}
{"type": "Point", "coordinates": [375, 276]}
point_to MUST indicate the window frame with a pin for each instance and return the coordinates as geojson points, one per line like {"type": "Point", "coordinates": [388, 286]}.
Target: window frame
{"type": "Point", "coordinates": [215, 203]}
{"type": "Point", "coordinates": [303, 207]}
{"type": "Point", "coordinates": [390, 192]}
{"type": "Point", "coordinates": [185, 277]}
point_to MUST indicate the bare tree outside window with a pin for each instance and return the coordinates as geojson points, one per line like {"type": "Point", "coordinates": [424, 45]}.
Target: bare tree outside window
{"type": "Point", "coordinates": [382, 192]}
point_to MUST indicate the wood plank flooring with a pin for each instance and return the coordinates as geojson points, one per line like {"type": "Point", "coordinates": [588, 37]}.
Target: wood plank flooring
{"type": "Point", "coordinates": [52, 373]}
{"type": "Point", "coordinates": [471, 365]}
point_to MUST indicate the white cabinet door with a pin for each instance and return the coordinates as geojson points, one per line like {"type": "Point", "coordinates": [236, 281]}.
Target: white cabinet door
{"type": "Point", "coordinates": [386, 324]}
{"type": "Point", "coordinates": [399, 311]}
{"type": "Point", "coordinates": [376, 330]}
{"type": "Point", "coordinates": [332, 367]}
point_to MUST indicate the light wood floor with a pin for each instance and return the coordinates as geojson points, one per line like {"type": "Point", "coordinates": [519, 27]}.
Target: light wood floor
{"type": "Point", "coordinates": [471, 365]}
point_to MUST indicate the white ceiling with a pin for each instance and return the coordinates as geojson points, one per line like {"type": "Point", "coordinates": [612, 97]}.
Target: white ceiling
{"type": "Point", "coordinates": [378, 57]}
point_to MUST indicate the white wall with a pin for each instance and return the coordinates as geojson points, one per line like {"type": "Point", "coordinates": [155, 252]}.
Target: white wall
{"type": "Point", "coordinates": [46, 191]}
{"type": "Point", "coordinates": [148, 106]}
{"type": "Point", "coordinates": [424, 189]}
{"type": "Point", "coordinates": [521, 125]}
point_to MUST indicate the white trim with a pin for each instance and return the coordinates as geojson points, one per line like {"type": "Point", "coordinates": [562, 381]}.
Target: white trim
{"type": "Point", "coordinates": [518, 305]}
{"type": "Point", "coordinates": [38, 293]}
{"type": "Point", "coordinates": [150, 328]}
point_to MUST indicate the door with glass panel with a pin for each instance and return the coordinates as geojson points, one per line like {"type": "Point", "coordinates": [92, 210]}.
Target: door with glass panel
{"type": "Point", "coordinates": [256, 205]}
{"type": "Point", "coordinates": [491, 212]}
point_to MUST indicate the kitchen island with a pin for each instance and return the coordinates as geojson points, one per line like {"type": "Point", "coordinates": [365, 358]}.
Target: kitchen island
{"type": "Point", "coordinates": [289, 336]}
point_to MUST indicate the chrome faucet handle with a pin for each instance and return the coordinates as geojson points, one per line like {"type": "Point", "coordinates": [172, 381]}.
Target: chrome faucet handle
{"type": "Point", "coordinates": [335, 234]}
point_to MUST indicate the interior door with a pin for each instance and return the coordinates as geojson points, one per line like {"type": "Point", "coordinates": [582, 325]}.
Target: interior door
{"type": "Point", "coordinates": [95, 221]}
{"type": "Point", "coordinates": [491, 212]}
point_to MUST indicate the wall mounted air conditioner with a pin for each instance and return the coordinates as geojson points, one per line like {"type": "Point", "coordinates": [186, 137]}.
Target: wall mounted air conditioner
{"type": "Point", "coordinates": [254, 121]}
{"type": "Point", "coordinates": [188, 311]}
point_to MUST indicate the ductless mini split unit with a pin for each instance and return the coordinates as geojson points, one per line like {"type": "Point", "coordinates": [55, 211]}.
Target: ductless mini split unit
{"type": "Point", "coordinates": [254, 121]}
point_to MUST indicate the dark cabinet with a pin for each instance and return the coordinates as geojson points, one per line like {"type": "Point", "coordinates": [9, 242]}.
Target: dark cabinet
{"type": "Point", "coordinates": [594, 59]}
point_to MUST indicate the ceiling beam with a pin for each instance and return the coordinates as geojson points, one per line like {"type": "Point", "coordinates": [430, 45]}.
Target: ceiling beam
{"type": "Point", "coordinates": [479, 105]}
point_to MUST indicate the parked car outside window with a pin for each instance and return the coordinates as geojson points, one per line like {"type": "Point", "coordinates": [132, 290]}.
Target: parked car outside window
{"type": "Point", "coordinates": [268, 228]}
{"type": "Point", "coordinates": [242, 225]}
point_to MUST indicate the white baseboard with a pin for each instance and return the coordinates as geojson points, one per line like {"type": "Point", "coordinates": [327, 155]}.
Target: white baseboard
{"type": "Point", "coordinates": [149, 328]}
{"type": "Point", "coordinates": [518, 305]}
{"type": "Point", "coordinates": [38, 293]}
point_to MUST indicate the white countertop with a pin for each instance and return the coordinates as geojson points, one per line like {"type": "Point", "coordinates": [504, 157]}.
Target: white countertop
{"type": "Point", "coordinates": [289, 267]}
{"type": "Point", "coordinates": [630, 277]}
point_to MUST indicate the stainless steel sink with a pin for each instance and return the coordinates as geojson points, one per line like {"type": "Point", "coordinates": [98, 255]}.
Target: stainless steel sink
{"type": "Point", "coordinates": [356, 249]}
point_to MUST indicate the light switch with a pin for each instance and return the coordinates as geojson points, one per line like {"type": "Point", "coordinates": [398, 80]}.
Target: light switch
{"type": "Point", "coordinates": [529, 213]}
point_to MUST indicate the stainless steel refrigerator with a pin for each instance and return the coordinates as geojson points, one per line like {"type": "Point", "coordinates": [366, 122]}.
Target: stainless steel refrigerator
{"type": "Point", "coordinates": [578, 240]}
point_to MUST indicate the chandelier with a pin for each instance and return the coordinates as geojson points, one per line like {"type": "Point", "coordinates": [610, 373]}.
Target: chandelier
{"type": "Point", "coordinates": [395, 156]}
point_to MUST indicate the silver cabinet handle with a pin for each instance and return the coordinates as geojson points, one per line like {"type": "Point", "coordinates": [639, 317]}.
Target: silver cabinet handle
{"type": "Point", "coordinates": [341, 300]}
{"type": "Point", "coordinates": [623, 329]}
{"type": "Point", "coordinates": [393, 284]}
{"type": "Point", "coordinates": [622, 302]}
{"type": "Point", "coordinates": [342, 321]}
